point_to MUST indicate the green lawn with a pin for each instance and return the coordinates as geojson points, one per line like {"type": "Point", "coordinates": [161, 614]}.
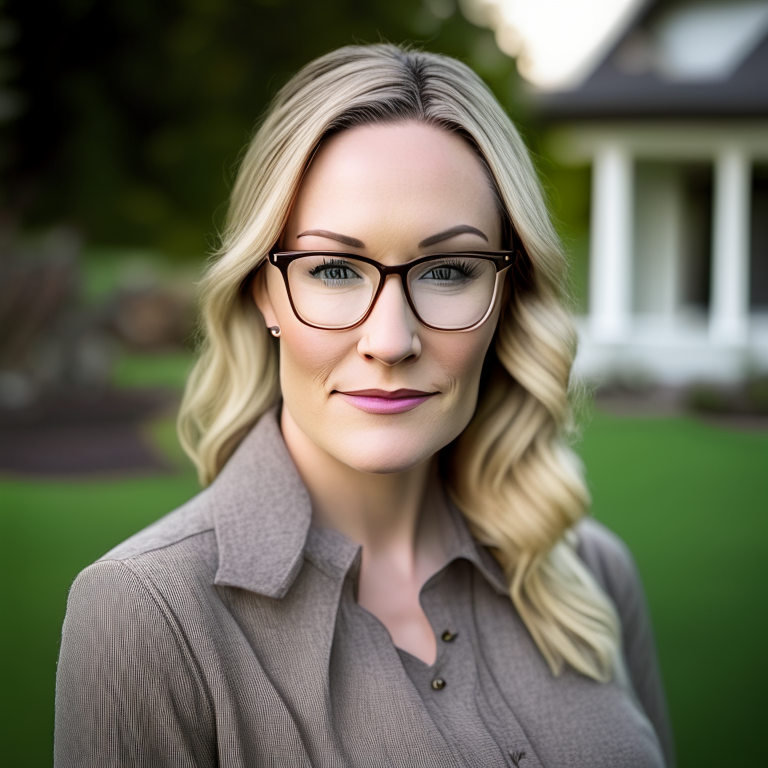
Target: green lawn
{"type": "Point", "coordinates": [164, 369]}
{"type": "Point", "coordinates": [690, 499]}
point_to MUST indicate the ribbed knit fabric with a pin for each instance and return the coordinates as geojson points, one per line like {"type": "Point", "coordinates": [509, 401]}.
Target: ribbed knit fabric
{"type": "Point", "coordinates": [227, 634]}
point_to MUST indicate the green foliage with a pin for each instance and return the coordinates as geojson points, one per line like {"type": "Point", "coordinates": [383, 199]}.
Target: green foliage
{"type": "Point", "coordinates": [757, 391]}
{"type": "Point", "coordinates": [749, 398]}
{"type": "Point", "coordinates": [568, 191]}
{"type": "Point", "coordinates": [137, 110]}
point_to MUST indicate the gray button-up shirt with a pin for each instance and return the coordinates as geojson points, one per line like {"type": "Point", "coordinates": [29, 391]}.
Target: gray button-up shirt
{"type": "Point", "coordinates": [228, 634]}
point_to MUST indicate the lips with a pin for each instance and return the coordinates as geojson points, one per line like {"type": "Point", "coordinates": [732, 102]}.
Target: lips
{"type": "Point", "coordinates": [382, 401]}
{"type": "Point", "coordinates": [386, 395]}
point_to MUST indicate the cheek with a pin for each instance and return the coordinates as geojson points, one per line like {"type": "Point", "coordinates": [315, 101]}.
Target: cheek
{"type": "Point", "coordinates": [457, 360]}
{"type": "Point", "coordinates": [307, 355]}
{"type": "Point", "coordinates": [462, 356]}
{"type": "Point", "coordinates": [465, 359]}
{"type": "Point", "coordinates": [308, 358]}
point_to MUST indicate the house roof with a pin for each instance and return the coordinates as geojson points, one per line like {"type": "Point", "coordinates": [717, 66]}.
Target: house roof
{"type": "Point", "coordinates": [679, 59]}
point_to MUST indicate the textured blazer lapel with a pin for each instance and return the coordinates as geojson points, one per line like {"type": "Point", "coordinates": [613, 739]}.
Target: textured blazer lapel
{"type": "Point", "coordinates": [262, 513]}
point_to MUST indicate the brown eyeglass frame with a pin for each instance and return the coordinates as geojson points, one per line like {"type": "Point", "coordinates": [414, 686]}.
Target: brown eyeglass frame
{"type": "Point", "coordinates": [501, 259]}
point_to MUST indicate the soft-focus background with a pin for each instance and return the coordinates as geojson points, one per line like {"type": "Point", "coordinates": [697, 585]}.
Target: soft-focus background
{"type": "Point", "coordinates": [121, 124]}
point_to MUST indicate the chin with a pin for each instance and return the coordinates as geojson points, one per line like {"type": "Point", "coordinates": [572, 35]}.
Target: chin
{"type": "Point", "coordinates": [388, 451]}
{"type": "Point", "coordinates": [382, 462]}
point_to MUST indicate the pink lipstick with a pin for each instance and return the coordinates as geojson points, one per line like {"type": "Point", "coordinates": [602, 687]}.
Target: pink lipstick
{"type": "Point", "coordinates": [382, 401]}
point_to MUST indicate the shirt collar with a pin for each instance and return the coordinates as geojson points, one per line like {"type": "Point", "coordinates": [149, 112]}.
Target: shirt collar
{"type": "Point", "coordinates": [262, 516]}
{"type": "Point", "coordinates": [460, 543]}
{"type": "Point", "coordinates": [261, 513]}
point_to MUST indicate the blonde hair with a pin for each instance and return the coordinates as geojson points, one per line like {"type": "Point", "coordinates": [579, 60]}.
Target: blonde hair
{"type": "Point", "coordinates": [510, 472]}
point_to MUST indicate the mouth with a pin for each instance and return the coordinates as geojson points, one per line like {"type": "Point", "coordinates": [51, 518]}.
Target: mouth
{"type": "Point", "coordinates": [383, 401]}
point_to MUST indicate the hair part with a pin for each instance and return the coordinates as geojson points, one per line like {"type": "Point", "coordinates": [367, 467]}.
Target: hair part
{"type": "Point", "coordinates": [510, 472]}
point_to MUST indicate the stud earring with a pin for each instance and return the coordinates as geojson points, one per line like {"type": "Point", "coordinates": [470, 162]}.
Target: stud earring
{"type": "Point", "coordinates": [275, 331]}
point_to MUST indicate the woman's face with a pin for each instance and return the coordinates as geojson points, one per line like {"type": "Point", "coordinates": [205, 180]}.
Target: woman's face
{"type": "Point", "coordinates": [380, 191]}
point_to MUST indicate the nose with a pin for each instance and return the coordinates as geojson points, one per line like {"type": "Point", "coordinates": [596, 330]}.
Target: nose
{"type": "Point", "coordinates": [390, 333]}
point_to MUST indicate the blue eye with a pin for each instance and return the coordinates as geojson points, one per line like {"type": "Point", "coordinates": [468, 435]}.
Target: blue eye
{"type": "Point", "coordinates": [451, 271]}
{"type": "Point", "coordinates": [334, 271]}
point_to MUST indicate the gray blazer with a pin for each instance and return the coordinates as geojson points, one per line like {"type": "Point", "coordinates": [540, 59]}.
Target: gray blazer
{"type": "Point", "coordinates": [227, 634]}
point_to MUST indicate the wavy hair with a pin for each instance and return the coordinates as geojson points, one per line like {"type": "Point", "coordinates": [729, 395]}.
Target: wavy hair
{"type": "Point", "coordinates": [510, 472]}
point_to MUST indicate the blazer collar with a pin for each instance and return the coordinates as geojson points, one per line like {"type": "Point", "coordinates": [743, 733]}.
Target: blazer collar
{"type": "Point", "coordinates": [262, 516]}
{"type": "Point", "coordinates": [261, 512]}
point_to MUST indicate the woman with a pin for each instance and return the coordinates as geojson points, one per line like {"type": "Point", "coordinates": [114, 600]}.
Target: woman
{"type": "Point", "coordinates": [389, 564]}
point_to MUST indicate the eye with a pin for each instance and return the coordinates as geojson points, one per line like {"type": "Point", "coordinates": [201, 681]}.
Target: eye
{"type": "Point", "coordinates": [333, 271]}
{"type": "Point", "coordinates": [452, 271]}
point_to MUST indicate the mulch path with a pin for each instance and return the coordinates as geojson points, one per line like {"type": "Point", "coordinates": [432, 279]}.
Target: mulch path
{"type": "Point", "coordinates": [84, 434]}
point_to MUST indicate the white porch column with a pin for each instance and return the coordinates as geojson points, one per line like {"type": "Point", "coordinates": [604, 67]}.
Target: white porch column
{"type": "Point", "coordinates": [610, 258]}
{"type": "Point", "coordinates": [729, 308]}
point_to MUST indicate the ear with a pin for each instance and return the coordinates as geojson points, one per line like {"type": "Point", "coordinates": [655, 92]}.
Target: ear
{"type": "Point", "coordinates": [260, 293]}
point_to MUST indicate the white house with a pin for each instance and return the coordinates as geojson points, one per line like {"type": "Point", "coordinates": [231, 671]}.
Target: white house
{"type": "Point", "coordinates": [674, 121]}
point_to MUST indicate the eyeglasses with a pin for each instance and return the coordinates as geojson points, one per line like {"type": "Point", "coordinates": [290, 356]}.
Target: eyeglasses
{"type": "Point", "coordinates": [446, 291]}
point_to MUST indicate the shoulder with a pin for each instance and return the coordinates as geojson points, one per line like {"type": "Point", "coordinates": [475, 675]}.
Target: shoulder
{"type": "Point", "coordinates": [137, 604]}
{"type": "Point", "coordinates": [134, 597]}
{"type": "Point", "coordinates": [126, 655]}
{"type": "Point", "coordinates": [609, 560]}
{"type": "Point", "coordinates": [189, 520]}
{"type": "Point", "coordinates": [611, 563]}
{"type": "Point", "coordinates": [174, 553]}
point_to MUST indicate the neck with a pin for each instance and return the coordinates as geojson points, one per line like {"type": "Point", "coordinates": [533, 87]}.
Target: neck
{"type": "Point", "coordinates": [394, 516]}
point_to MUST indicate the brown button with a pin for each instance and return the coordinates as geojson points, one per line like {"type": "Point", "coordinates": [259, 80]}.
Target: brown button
{"type": "Point", "coordinates": [448, 636]}
{"type": "Point", "coordinates": [438, 683]}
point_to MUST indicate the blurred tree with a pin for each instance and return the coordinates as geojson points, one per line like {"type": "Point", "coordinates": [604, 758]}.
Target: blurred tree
{"type": "Point", "coordinates": [135, 111]}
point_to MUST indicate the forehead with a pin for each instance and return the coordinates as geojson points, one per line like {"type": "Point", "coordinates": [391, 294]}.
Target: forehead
{"type": "Point", "coordinates": [407, 175]}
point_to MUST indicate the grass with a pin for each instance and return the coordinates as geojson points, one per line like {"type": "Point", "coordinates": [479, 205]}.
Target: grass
{"type": "Point", "coordinates": [690, 500]}
{"type": "Point", "coordinates": [164, 369]}
{"type": "Point", "coordinates": [48, 532]}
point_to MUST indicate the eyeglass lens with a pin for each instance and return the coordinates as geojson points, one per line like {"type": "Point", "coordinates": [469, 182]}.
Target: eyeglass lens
{"type": "Point", "coordinates": [450, 293]}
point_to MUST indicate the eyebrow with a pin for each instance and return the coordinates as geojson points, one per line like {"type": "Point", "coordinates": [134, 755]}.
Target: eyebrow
{"type": "Point", "coordinates": [353, 242]}
{"type": "Point", "coordinates": [460, 229]}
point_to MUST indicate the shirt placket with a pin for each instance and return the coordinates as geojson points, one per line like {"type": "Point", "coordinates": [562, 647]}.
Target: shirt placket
{"type": "Point", "coordinates": [448, 686]}
{"type": "Point", "coordinates": [468, 688]}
